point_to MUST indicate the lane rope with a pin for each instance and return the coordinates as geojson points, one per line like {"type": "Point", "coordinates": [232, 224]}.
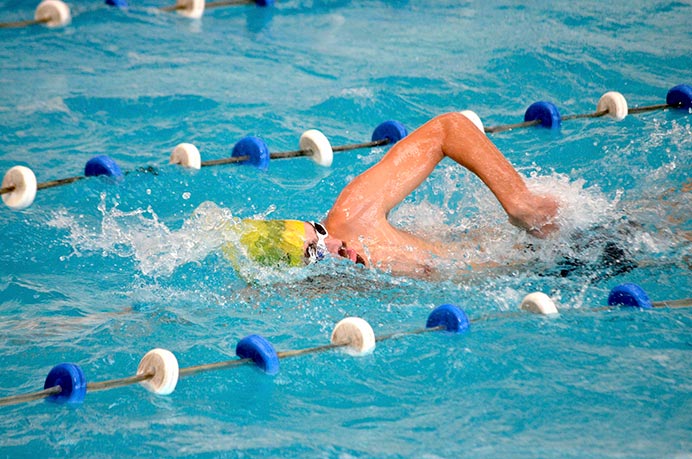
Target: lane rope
{"type": "Point", "coordinates": [52, 13]}
{"type": "Point", "coordinates": [56, 13]}
{"type": "Point", "coordinates": [627, 295]}
{"type": "Point", "coordinates": [19, 185]}
{"type": "Point", "coordinates": [158, 371]}
{"type": "Point", "coordinates": [194, 9]}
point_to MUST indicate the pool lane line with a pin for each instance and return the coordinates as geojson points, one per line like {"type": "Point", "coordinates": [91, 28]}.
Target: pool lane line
{"type": "Point", "coordinates": [195, 9]}
{"type": "Point", "coordinates": [53, 13]}
{"type": "Point", "coordinates": [30, 397]}
{"type": "Point", "coordinates": [665, 304]}
{"type": "Point", "coordinates": [612, 103]}
{"type": "Point", "coordinates": [56, 13]}
{"type": "Point", "coordinates": [673, 304]}
{"type": "Point", "coordinates": [254, 151]}
{"type": "Point", "coordinates": [19, 185]}
{"type": "Point", "coordinates": [537, 121]}
{"type": "Point", "coordinates": [627, 295]}
{"type": "Point", "coordinates": [25, 23]}
{"type": "Point", "coordinates": [293, 153]}
{"type": "Point", "coordinates": [213, 162]}
{"type": "Point", "coordinates": [352, 332]}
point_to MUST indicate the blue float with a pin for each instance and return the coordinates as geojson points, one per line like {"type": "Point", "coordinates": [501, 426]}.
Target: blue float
{"type": "Point", "coordinates": [117, 3]}
{"type": "Point", "coordinates": [449, 316]}
{"type": "Point", "coordinates": [680, 96]}
{"type": "Point", "coordinates": [546, 112]}
{"type": "Point", "coordinates": [629, 295]}
{"type": "Point", "coordinates": [391, 131]}
{"type": "Point", "coordinates": [264, 2]}
{"type": "Point", "coordinates": [102, 165]}
{"type": "Point", "coordinates": [71, 380]}
{"type": "Point", "coordinates": [256, 149]}
{"type": "Point", "coordinates": [260, 351]}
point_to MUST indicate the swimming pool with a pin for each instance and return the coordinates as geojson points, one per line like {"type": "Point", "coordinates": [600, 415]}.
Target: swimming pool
{"type": "Point", "coordinates": [133, 84]}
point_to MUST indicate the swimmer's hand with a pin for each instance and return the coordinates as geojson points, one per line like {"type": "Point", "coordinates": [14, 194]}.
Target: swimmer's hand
{"type": "Point", "coordinates": [536, 214]}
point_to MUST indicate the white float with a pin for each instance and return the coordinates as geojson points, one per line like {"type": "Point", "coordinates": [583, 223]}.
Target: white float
{"type": "Point", "coordinates": [539, 303]}
{"type": "Point", "coordinates": [354, 333]}
{"type": "Point", "coordinates": [23, 180]}
{"type": "Point", "coordinates": [193, 9]}
{"type": "Point", "coordinates": [316, 142]}
{"type": "Point", "coordinates": [53, 13]}
{"type": "Point", "coordinates": [187, 155]}
{"type": "Point", "coordinates": [164, 367]}
{"type": "Point", "coordinates": [474, 118]}
{"type": "Point", "coordinates": [615, 104]}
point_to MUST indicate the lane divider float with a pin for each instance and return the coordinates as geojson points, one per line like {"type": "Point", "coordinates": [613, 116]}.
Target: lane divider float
{"type": "Point", "coordinates": [52, 13]}
{"type": "Point", "coordinates": [628, 295]}
{"type": "Point", "coordinates": [194, 9]}
{"type": "Point", "coordinates": [612, 104]}
{"type": "Point", "coordinates": [19, 183]}
{"type": "Point", "coordinates": [159, 372]}
{"type": "Point", "coordinates": [56, 13]}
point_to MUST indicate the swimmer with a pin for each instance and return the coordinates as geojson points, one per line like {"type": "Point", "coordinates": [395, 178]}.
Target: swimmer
{"type": "Point", "coordinates": [357, 228]}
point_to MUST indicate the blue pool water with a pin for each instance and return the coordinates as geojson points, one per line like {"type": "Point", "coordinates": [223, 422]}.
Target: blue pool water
{"type": "Point", "coordinates": [99, 273]}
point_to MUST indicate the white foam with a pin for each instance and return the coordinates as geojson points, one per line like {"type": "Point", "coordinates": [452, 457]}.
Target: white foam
{"type": "Point", "coordinates": [461, 212]}
{"type": "Point", "coordinates": [581, 207]}
{"type": "Point", "coordinates": [470, 218]}
{"type": "Point", "coordinates": [140, 234]}
{"type": "Point", "coordinates": [159, 250]}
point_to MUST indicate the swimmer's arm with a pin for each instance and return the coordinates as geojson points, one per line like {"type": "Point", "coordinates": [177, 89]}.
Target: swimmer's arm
{"type": "Point", "coordinates": [379, 189]}
{"type": "Point", "coordinates": [465, 144]}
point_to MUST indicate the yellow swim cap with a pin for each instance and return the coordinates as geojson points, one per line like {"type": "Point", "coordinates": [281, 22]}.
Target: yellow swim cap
{"type": "Point", "coordinates": [272, 242]}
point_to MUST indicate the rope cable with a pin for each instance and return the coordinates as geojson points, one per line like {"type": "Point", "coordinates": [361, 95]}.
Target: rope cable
{"type": "Point", "coordinates": [25, 23]}
{"type": "Point", "coordinates": [436, 322]}
{"type": "Point", "coordinates": [354, 146]}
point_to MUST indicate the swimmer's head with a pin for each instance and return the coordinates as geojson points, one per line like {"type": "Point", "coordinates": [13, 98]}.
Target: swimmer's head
{"type": "Point", "coordinates": [287, 242]}
{"type": "Point", "coordinates": [321, 245]}
{"type": "Point", "coordinates": [274, 242]}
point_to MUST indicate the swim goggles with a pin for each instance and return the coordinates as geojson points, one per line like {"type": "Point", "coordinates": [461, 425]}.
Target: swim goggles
{"type": "Point", "coordinates": [317, 250]}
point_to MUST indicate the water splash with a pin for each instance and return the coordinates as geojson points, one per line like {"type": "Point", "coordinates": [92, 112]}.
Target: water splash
{"type": "Point", "coordinates": [597, 230]}
{"type": "Point", "coordinates": [158, 250]}
{"type": "Point", "coordinates": [141, 235]}
{"type": "Point", "coordinates": [601, 234]}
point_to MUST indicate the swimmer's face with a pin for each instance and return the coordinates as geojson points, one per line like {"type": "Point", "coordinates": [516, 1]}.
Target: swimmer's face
{"type": "Point", "coordinates": [317, 240]}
